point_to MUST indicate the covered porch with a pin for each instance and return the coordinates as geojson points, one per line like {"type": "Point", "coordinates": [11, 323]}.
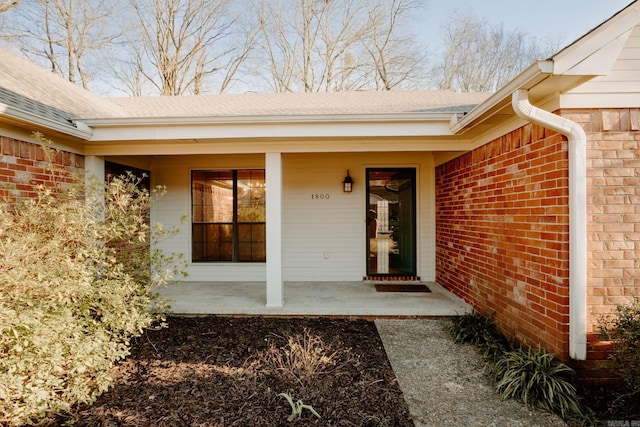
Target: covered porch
{"type": "Point", "coordinates": [311, 299]}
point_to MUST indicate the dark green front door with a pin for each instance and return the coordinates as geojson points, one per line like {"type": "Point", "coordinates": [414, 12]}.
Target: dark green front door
{"type": "Point", "coordinates": [391, 222]}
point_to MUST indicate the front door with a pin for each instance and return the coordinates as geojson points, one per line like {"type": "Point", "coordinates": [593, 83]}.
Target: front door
{"type": "Point", "coordinates": [391, 222]}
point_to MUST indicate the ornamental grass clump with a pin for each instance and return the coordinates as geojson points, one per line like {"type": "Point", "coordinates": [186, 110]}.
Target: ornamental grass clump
{"type": "Point", "coordinates": [538, 379]}
{"type": "Point", "coordinates": [77, 279]}
{"type": "Point", "coordinates": [304, 357]}
{"type": "Point", "coordinates": [535, 377]}
{"type": "Point", "coordinates": [480, 330]}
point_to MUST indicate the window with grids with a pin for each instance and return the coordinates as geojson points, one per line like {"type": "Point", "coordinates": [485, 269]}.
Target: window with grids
{"type": "Point", "coordinates": [228, 215]}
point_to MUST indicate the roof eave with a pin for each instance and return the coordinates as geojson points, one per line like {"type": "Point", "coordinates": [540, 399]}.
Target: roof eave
{"type": "Point", "coordinates": [531, 76]}
{"type": "Point", "coordinates": [80, 130]}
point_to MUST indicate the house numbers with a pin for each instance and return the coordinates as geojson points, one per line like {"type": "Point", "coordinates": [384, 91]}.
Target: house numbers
{"type": "Point", "coordinates": [320, 196]}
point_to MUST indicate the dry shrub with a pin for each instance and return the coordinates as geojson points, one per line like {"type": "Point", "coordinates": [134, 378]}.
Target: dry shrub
{"type": "Point", "coordinates": [303, 357]}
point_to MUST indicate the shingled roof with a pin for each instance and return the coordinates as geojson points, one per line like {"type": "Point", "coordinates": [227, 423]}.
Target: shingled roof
{"type": "Point", "coordinates": [28, 87]}
{"type": "Point", "coordinates": [293, 104]}
{"type": "Point", "coordinates": [31, 88]}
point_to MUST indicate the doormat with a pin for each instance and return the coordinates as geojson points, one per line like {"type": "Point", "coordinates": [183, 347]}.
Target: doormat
{"type": "Point", "coordinates": [395, 287]}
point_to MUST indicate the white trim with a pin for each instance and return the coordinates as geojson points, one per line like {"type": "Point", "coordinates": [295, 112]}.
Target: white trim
{"type": "Point", "coordinates": [273, 178]}
{"type": "Point", "coordinates": [81, 131]}
{"type": "Point", "coordinates": [293, 145]}
{"type": "Point", "coordinates": [577, 216]}
{"type": "Point", "coordinates": [533, 75]}
{"type": "Point", "coordinates": [273, 119]}
{"type": "Point", "coordinates": [596, 52]}
{"type": "Point", "coordinates": [207, 132]}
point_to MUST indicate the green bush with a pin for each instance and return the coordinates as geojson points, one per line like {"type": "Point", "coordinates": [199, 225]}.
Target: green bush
{"type": "Point", "coordinates": [539, 379]}
{"type": "Point", "coordinates": [623, 328]}
{"type": "Point", "coordinates": [76, 283]}
{"type": "Point", "coordinates": [535, 377]}
{"type": "Point", "coordinates": [480, 330]}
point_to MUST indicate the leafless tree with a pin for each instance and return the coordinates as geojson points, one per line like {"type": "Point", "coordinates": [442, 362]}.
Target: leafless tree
{"type": "Point", "coordinates": [65, 34]}
{"type": "Point", "coordinates": [481, 58]}
{"type": "Point", "coordinates": [323, 45]}
{"type": "Point", "coordinates": [182, 45]}
{"type": "Point", "coordinates": [396, 59]}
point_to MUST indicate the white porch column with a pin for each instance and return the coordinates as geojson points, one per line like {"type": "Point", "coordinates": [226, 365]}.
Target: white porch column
{"type": "Point", "coordinates": [94, 166]}
{"type": "Point", "coordinates": [273, 176]}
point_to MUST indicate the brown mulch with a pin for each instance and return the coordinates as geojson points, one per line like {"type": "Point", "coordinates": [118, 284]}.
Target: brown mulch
{"type": "Point", "coordinates": [219, 371]}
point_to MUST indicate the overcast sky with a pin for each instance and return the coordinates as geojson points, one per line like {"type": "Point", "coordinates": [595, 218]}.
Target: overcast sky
{"type": "Point", "coordinates": [563, 19]}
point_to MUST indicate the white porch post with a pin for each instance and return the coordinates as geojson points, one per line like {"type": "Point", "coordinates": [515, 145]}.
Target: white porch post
{"type": "Point", "coordinates": [273, 176]}
{"type": "Point", "coordinates": [94, 166]}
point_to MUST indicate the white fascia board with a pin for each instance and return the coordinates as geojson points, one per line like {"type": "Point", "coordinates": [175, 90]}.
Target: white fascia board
{"type": "Point", "coordinates": [273, 119]}
{"type": "Point", "coordinates": [531, 76]}
{"type": "Point", "coordinates": [80, 131]}
{"type": "Point", "coordinates": [596, 52]}
{"type": "Point", "coordinates": [164, 129]}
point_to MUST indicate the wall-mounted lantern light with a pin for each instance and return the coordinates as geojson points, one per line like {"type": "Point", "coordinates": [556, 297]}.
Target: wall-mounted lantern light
{"type": "Point", "coordinates": [347, 184]}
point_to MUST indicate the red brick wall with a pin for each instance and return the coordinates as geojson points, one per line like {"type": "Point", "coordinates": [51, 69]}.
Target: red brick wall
{"type": "Point", "coordinates": [23, 166]}
{"type": "Point", "coordinates": [502, 233]}
{"type": "Point", "coordinates": [502, 227]}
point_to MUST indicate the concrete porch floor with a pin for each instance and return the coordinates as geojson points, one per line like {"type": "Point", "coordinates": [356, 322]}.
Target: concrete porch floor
{"type": "Point", "coordinates": [311, 299]}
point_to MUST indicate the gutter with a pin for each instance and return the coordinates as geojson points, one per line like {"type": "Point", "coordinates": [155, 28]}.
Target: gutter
{"type": "Point", "coordinates": [272, 119]}
{"type": "Point", "coordinates": [577, 215]}
{"type": "Point", "coordinates": [530, 77]}
{"type": "Point", "coordinates": [74, 128]}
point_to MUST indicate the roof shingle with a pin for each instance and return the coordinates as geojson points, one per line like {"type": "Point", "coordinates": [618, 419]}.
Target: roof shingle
{"type": "Point", "coordinates": [29, 87]}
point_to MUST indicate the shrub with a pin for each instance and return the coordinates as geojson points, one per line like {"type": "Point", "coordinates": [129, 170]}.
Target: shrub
{"type": "Point", "coordinates": [480, 330]}
{"type": "Point", "coordinates": [535, 377]}
{"type": "Point", "coordinates": [304, 357]}
{"type": "Point", "coordinates": [539, 379]}
{"type": "Point", "coordinates": [76, 283]}
{"type": "Point", "coordinates": [623, 328]}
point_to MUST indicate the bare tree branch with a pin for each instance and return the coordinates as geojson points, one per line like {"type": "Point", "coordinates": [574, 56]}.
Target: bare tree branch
{"type": "Point", "coordinates": [480, 58]}
{"type": "Point", "coordinates": [333, 46]}
{"type": "Point", "coordinates": [183, 43]}
{"type": "Point", "coordinates": [65, 34]}
{"type": "Point", "coordinates": [8, 4]}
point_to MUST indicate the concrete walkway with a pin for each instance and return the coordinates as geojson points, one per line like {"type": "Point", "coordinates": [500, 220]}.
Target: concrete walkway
{"type": "Point", "coordinates": [311, 299]}
{"type": "Point", "coordinates": [443, 383]}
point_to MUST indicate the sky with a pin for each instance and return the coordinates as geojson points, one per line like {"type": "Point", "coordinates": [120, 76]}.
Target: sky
{"type": "Point", "coordinates": [563, 19]}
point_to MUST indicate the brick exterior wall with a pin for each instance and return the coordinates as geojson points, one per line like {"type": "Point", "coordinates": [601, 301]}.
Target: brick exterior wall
{"type": "Point", "coordinates": [502, 227]}
{"type": "Point", "coordinates": [502, 233]}
{"type": "Point", "coordinates": [24, 166]}
{"type": "Point", "coordinates": [613, 218]}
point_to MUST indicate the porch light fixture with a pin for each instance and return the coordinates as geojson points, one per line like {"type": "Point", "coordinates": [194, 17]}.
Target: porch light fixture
{"type": "Point", "coordinates": [347, 184]}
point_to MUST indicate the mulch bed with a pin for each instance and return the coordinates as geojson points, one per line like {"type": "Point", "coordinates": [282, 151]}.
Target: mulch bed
{"type": "Point", "coordinates": [219, 371]}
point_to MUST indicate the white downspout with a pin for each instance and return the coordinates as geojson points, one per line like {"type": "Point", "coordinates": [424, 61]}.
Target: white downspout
{"type": "Point", "coordinates": [577, 215]}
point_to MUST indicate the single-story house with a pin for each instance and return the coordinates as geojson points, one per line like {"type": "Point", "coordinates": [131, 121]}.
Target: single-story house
{"type": "Point", "coordinates": [524, 202]}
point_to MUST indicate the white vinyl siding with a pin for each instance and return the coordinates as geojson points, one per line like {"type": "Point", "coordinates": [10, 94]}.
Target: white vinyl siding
{"type": "Point", "coordinates": [324, 239]}
{"type": "Point", "coordinates": [323, 227]}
